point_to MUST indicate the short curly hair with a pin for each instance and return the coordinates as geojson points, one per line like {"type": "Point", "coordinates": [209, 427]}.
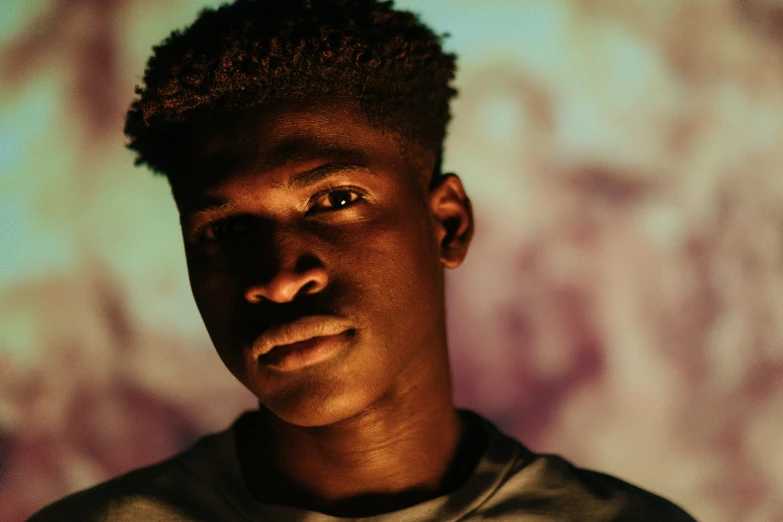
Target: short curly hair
{"type": "Point", "coordinates": [253, 52]}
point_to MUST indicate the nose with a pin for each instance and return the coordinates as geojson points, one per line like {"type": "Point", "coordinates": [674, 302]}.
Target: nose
{"type": "Point", "coordinates": [297, 273]}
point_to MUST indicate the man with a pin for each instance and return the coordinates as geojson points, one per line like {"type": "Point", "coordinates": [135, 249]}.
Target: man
{"type": "Point", "coordinates": [303, 142]}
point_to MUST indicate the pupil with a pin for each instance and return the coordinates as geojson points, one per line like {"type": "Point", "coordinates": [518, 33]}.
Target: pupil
{"type": "Point", "coordinates": [339, 198]}
{"type": "Point", "coordinates": [225, 229]}
{"type": "Point", "coordinates": [219, 230]}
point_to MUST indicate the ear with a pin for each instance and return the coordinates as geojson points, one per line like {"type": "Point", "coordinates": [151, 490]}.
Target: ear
{"type": "Point", "coordinates": [453, 215]}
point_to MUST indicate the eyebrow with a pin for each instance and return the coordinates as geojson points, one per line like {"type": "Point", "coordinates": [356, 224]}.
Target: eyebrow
{"type": "Point", "coordinates": [208, 205]}
{"type": "Point", "coordinates": [313, 176]}
{"type": "Point", "coordinates": [297, 181]}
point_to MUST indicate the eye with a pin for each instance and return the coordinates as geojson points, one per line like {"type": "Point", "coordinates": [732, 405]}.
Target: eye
{"type": "Point", "coordinates": [222, 230]}
{"type": "Point", "coordinates": [338, 199]}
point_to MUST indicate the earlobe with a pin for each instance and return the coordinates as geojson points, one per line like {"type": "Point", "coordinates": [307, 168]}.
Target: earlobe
{"type": "Point", "coordinates": [454, 215]}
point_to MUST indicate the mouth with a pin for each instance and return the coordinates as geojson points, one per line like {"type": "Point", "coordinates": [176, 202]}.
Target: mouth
{"type": "Point", "coordinates": [294, 356]}
{"type": "Point", "coordinates": [304, 342]}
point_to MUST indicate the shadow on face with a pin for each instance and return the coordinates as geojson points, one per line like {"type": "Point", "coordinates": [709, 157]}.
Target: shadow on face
{"type": "Point", "coordinates": [304, 221]}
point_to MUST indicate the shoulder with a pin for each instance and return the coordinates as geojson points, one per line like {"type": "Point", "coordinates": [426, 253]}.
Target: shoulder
{"type": "Point", "coordinates": [629, 501]}
{"type": "Point", "coordinates": [185, 487]}
{"type": "Point", "coordinates": [141, 492]}
{"type": "Point", "coordinates": [556, 488]}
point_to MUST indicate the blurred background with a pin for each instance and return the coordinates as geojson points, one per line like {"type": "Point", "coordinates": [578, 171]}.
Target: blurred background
{"type": "Point", "coordinates": [622, 303]}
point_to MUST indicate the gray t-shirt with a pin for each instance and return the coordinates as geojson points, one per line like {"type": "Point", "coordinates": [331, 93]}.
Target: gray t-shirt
{"type": "Point", "coordinates": [510, 483]}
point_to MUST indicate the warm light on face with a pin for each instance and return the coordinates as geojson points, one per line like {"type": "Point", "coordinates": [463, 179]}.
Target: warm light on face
{"type": "Point", "coordinates": [283, 239]}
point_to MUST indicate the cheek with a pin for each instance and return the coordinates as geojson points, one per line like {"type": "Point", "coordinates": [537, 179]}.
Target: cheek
{"type": "Point", "coordinates": [219, 309]}
{"type": "Point", "coordinates": [215, 292]}
{"type": "Point", "coordinates": [399, 272]}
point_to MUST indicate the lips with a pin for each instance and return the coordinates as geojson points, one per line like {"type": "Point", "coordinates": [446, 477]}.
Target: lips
{"type": "Point", "coordinates": [298, 355]}
{"type": "Point", "coordinates": [299, 331]}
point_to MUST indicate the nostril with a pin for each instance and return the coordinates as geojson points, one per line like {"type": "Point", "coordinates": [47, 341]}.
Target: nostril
{"type": "Point", "coordinates": [307, 288]}
{"type": "Point", "coordinates": [254, 297]}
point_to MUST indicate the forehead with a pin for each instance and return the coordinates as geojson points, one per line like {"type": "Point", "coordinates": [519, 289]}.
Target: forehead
{"type": "Point", "coordinates": [283, 137]}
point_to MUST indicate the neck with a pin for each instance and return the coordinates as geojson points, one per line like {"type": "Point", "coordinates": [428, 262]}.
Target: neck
{"type": "Point", "coordinates": [400, 451]}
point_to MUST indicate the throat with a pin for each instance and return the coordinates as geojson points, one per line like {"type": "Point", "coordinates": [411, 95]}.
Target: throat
{"type": "Point", "coordinates": [356, 492]}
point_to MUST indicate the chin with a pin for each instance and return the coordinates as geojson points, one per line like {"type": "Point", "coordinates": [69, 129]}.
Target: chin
{"type": "Point", "coordinates": [324, 394]}
{"type": "Point", "coordinates": [324, 405]}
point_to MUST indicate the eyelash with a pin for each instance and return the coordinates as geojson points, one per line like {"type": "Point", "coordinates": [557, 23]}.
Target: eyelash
{"type": "Point", "coordinates": [361, 196]}
{"type": "Point", "coordinates": [341, 188]}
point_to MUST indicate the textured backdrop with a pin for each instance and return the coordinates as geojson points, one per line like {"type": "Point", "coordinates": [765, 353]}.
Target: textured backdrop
{"type": "Point", "coordinates": [622, 303]}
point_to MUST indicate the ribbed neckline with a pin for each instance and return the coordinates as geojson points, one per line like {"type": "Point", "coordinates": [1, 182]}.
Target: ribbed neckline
{"type": "Point", "coordinates": [217, 459]}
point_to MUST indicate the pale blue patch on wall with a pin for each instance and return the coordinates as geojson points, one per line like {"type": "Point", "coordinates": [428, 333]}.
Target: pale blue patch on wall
{"type": "Point", "coordinates": [16, 15]}
{"type": "Point", "coordinates": [526, 31]}
{"type": "Point", "coordinates": [23, 119]}
{"type": "Point", "coordinates": [29, 251]}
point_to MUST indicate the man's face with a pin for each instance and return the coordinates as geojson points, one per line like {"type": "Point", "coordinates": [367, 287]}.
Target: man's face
{"type": "Point", "coordinates": [302, 211]}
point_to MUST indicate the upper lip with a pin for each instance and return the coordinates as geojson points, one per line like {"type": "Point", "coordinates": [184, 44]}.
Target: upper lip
{"type": "Point", "coordinates": [299, 330]}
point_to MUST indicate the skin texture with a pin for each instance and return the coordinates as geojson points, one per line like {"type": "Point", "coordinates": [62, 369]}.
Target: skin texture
{"type": "Point", "coordinates": [372, 429]}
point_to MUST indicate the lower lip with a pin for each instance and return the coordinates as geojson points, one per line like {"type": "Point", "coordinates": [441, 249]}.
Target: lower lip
{"type": "Point", "coordinates": [290, 357]}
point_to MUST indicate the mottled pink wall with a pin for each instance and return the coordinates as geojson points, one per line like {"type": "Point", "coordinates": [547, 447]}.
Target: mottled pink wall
{"type": "Point", "coordinates": [622, 303]}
